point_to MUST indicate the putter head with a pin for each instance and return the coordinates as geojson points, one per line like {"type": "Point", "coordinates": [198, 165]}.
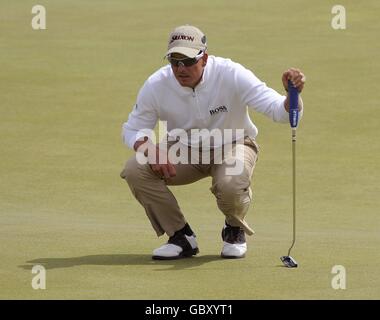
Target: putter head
{"type": "Point", "coordinates": [289, 262]}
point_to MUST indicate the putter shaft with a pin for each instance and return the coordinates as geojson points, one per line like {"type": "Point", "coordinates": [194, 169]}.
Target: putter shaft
{"type": "Point", "coordinates": [294, 131]}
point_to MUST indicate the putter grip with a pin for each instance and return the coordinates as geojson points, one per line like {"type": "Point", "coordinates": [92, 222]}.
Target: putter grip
{"type": "Point", "coordinates": [293, 104]}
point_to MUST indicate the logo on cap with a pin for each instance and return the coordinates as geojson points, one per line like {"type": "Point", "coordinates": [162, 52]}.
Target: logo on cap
{"type": "Point", "coordinates": [182, 37]}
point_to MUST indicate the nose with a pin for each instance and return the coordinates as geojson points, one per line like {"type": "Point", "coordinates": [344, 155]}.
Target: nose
{"type": "Point", "coordinates": [181, 66]}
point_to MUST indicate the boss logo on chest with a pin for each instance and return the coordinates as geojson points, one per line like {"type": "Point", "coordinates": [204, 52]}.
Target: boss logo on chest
{"type": "Point", "coordinates": [218, 109]}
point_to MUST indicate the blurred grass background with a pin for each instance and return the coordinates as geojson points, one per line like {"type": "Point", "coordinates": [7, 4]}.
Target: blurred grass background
{"type": "Point", "coordinates": [65, 93]}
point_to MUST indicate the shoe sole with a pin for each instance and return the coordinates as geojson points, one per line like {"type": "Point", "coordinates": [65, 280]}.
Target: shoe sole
{"type": "Point", "coordinates": [182, 255]}
{"type": "Point", "coordinates": [232, 257]}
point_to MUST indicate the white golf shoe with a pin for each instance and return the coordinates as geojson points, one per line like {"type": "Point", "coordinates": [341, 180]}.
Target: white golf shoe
{"type": "Point", "coordinates": [182, 244]}
{"type": "Point", "coordinates": [234, 243]}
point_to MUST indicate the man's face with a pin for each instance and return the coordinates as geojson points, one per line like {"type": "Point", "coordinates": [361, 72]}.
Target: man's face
{"type": "Point", "coordinates": [188, 76]}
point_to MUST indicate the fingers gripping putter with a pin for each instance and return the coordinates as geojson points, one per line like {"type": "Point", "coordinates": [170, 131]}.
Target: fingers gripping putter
{"type": "Point", "coordinates": [288, 261]}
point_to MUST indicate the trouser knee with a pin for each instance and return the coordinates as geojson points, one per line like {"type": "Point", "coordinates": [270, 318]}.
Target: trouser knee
{"type": "Point", "coordinates": [133, 171]}
{"type": "Point", "coordinates": [230, 189]}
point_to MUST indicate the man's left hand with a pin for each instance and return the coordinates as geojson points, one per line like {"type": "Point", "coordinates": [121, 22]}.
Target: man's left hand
{"type": "Point", "coordinates": [296, 77]}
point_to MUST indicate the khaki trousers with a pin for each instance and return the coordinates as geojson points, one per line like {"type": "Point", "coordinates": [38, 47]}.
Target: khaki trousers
{"type": "Point", "coordinates": [233, 193]}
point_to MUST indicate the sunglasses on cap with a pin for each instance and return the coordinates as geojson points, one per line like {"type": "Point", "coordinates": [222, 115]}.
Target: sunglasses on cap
{"type": "Point", "coordinates": [186, 62]}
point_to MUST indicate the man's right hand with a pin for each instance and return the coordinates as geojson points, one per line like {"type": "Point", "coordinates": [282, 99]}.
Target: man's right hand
{"type": "Point", "coordinates": [160, 163]}
{"type": "Point", "coordinates": [157, 159]}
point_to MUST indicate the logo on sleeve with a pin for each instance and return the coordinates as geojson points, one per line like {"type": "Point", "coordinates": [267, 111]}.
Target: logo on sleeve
{"type": "Point", "coordinates": [218, 109]}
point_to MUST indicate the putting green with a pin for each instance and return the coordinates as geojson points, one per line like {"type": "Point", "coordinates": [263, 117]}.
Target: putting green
{"type": "Point", "coordinates": [65, 92]}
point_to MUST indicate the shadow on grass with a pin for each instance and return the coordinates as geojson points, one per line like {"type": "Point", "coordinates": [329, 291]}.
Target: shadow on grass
{"type": "Point", "coordinates": [121, 260]}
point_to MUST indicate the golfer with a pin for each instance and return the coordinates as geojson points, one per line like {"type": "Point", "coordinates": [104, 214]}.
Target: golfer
{"type": "Point", "coordinates": [203, 101]}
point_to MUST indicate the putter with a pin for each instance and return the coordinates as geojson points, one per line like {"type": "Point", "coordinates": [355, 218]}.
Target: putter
{"type": "Point", "coordinates": [288, 261]}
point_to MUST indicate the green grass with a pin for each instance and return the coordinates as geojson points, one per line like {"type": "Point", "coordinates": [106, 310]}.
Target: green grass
{"type": "Point", "coordinates": [65, 92]}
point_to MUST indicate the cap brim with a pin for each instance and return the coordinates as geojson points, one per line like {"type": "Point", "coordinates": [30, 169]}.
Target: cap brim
{"type": "Point", "coordinates": [188, 52]}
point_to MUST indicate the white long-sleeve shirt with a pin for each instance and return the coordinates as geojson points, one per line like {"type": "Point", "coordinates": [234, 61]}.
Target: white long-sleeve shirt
{"type": "Point", "coordinates": [219, 101]}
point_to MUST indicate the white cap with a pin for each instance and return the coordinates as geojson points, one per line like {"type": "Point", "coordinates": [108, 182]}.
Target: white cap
{"type": "Point", "coordinates": [187, 40]}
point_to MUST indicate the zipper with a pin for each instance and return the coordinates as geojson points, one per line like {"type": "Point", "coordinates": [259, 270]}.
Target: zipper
{"type": "Point", "coordinates": [195, 96]}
